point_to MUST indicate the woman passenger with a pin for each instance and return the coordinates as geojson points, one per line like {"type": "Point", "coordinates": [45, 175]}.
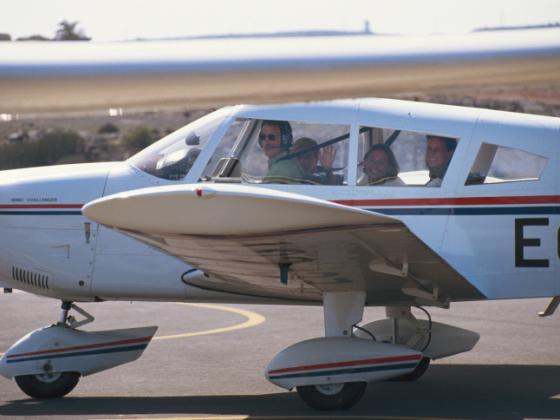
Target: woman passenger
{"type": "Point", "coordinates": [380, 167]}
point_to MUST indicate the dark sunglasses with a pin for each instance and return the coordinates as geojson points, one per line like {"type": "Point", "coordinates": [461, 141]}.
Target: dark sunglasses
{"type": "Point", "coordinates": [270, 137]}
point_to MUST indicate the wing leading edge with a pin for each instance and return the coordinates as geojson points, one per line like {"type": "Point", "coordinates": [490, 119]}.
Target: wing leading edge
{"type": "Point", "coordinates": [275, 244]}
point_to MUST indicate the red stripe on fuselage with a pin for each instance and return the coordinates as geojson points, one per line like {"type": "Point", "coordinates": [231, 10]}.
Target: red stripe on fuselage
{"type": "Point", "coordinates": [458, 201]}
{"type": "Point", "coordinates": [379, 360]}
{"type": "Point", "coordinates": [40, 206]}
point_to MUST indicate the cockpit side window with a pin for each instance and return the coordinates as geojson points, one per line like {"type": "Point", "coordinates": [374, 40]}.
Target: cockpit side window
{"type": "Point", "coordinates": [281, 152]}
{"type": "Point", "coordinates": [173, 156]}
{"type": "Point", "coordinates": [398, 158]}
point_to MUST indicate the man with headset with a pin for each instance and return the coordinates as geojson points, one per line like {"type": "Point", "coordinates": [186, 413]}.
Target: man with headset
{"type": "Point", "coordinates": [275, 139]}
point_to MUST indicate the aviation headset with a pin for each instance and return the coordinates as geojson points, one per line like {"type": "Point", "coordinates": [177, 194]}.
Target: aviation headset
{"type": "Point", "coordinates": [286, 136]}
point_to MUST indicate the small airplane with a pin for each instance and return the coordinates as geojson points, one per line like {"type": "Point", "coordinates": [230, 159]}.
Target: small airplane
{"type": "Point", "coordinates": [345, 204]}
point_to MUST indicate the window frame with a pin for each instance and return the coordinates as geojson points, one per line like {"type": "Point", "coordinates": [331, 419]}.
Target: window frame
{"type": "Point", "coordinates": [246, 138]}
{"type": "Point", "coordinates": [471, 175]}
{"type": "Point", "coordinates": [397, 132]}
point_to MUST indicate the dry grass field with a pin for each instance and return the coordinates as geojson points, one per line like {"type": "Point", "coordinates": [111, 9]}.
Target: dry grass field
{"type": "Point", "coordinates": [161, 103]}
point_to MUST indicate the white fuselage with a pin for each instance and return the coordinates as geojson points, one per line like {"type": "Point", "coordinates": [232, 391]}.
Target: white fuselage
{"type": "Point", "coordinates": [49, 248]}
{"type": "Point", "coordinates": [503, 238]}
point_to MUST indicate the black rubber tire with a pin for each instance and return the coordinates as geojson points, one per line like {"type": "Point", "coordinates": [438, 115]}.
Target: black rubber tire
{"type": "Point", "coordinates": [347, 397]}
{"type": "Point", "coordinates": [37, 387]}
{"type": "Point", "coordinates": [416, 373]}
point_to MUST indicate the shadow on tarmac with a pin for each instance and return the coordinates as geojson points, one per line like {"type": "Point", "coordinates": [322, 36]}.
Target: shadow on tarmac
{"type": "Point", "coordinates": [450, 391]}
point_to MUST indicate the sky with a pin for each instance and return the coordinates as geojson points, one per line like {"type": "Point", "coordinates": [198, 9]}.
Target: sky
{"type": "Point", "coordinates": [111, 20]}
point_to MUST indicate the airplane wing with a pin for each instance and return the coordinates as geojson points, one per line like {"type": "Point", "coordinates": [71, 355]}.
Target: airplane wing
{"type": "Point", "coordinates": [74, 76]}
{"type": "Point", "coordinates": [268, 243]}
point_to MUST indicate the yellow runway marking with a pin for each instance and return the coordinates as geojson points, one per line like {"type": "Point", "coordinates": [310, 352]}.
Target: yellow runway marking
{"type": "Point", "coordinates": [253, 319]}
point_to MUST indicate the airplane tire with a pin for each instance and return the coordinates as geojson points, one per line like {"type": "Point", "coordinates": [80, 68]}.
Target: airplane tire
{"type": "Point", "coordinates": [51, 385]}
{"type": "Point", "coordinates": [416, 373]}
{"type": "Point", "coordinates": [332, 397]}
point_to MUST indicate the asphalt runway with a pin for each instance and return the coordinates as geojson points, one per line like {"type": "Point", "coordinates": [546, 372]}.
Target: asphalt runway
{"type": "Point", "coordinates": [210, 361]}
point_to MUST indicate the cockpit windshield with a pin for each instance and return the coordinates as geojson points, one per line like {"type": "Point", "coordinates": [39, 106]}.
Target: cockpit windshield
{"type": "Point", "coordinates": [173, 156]}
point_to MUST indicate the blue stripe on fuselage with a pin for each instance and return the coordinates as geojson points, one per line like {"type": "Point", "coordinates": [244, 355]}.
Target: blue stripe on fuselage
{"type": "Point", "coordinates": [393, 211]}
{"type": "Point", "coordinates": [465, 211]}
{"type": "Point", "coordinates": [41, 213]}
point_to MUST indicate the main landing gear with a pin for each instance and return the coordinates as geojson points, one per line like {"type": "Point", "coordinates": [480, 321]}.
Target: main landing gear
{"type": "Point", "coordinates": [332, 372]}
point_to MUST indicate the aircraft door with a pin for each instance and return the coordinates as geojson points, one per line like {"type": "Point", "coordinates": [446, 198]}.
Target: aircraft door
{"type": "Point", "coordinates": [72, 256]}
{"type": "Point", "coordinates": [506, 219]}
{"type": "Point", "coordinates": [557, 193]}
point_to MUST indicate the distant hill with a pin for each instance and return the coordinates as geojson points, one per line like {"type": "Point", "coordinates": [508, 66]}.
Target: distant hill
{"type": "Point", "coordinates": [286, 34]}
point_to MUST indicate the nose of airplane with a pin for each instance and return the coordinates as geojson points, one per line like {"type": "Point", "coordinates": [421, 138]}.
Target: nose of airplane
{"type": "Point", "coordinates": [41, 219]}
{"type": "Point", "coordinates": [52, 188]}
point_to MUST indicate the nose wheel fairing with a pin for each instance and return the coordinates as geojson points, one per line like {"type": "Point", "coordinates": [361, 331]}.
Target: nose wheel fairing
{"type": "Point", "coordinates": [58, 349]}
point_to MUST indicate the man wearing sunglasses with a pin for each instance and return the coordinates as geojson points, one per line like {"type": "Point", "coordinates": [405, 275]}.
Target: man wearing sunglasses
{"type": "Point", "coordinates": [275, 139]}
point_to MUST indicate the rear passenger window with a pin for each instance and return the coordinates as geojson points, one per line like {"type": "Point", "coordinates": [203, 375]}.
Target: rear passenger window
{"type": "Point", "coordinates": [403, 158]}
{"type": "Point", "coordinates": [497, 164]}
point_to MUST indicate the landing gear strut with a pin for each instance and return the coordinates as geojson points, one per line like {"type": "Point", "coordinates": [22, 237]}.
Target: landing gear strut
{"type": "Point", "coordinates": [66, 306]}
{"type": "Point", "coordinates": [70, 321]}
